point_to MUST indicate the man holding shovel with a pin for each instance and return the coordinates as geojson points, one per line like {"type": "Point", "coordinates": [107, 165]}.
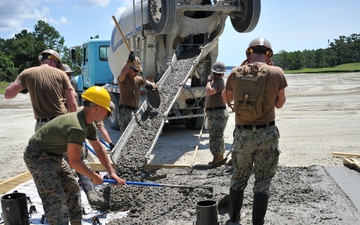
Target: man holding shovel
{"type": "Point", "coordinates": [216, 111]}
{"type": "Point", "coordinates": [256, 137]}
{"type": "Point", "coordinates": [130, 84]}
{"type": "Point", "coordinates": [44, 157]}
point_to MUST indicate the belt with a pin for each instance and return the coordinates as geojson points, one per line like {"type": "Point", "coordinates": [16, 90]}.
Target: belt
{"type": "Point", "coordinates": [45, 119]}
{"type": "Point", "coordinates": [128, 107]}
{"type": "Point", "coordinates": [215, 108]}
{"type": "Point", "coordinates": [254, 127]}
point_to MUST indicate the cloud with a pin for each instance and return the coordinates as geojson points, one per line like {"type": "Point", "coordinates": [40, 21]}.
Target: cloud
{"type": "Point", "coordinates": [101, 3]}
{"type": "Point", "coordinates": [13, 14]}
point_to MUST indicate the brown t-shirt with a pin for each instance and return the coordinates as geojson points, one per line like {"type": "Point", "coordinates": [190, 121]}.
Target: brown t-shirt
{"type": "Point", "coordinates": [46, 86]}
{"type": "Point", "coordinates": [276, 81]}
{"type": "Point", "coordinates": [216, 100]}
{"type": "Point", "coordinates": [130, 91]}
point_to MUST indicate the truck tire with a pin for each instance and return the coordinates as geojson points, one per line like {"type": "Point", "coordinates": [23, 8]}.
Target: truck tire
{"type": "Point", "coordinates": [196, 122]}
{"type": "Point", "coordinates": [246, 21]}
{"type": "Point", "coordinates": [113, 121]}
{"type": "Point", "coordinates": [161, 15]}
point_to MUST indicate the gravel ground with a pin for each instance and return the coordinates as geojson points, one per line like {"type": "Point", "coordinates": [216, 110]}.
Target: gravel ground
{"type": "Point", "coordinates": [321, 116]}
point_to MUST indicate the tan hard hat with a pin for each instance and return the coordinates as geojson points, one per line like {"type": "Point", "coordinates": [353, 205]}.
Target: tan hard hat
{"type": "Point", "coordinates": [219, 67]}
{"type": "Point", "coordinates": [67, 68]}
{"type": "Point", "coordinates": [50, 53]}
{"type": "Point", "coordinates": [260, 42]}
{"type": "Point", "coordinates": [133, 65]}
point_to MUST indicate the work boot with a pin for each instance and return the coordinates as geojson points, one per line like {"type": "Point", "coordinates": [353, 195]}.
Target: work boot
{"type": "Point", "coordinates": [235, 204]}
{"type": "Point", "coordinates": [96, 201]}
{"type": "Point", "coordinates": [259, 208]}
{"type": "Point", "coordinates": [216, 159]}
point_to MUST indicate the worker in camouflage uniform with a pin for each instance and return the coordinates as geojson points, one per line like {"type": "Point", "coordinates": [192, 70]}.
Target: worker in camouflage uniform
{"type": "Point", "coordinates": [256, 143]}
{"type": "Point", "coordinates": [216, 111]}
{"type": "Point", "coordinates": [50, 90]}
{"type": "Point", "coordinates": [129, 84]}
{"type": "Point", "coordinates": [44, 157]}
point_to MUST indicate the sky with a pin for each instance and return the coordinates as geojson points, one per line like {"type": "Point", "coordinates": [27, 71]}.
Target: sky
{"type": "Point", "coordinates": [289, 25]}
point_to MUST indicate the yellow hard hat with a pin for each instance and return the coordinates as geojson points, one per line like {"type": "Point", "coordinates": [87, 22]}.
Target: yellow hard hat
{"type": "Point", "coordinates": [99, 96]}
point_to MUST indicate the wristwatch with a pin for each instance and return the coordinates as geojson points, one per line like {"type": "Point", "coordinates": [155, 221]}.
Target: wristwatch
{"type": "Point", "coordinates": [209, 80]}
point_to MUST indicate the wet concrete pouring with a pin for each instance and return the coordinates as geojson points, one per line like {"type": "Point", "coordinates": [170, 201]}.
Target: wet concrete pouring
{"type": "Point", "coordinates": [299, 195]}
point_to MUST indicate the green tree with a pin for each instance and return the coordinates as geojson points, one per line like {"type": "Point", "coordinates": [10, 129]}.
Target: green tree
{"type": "Point", "coordinates": [7, 70]}
{"type": "Point", "coordinates": [48, 37]}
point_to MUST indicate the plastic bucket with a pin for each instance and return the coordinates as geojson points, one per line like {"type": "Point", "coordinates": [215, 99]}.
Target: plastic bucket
{"type": "Point", "coordinates": [206, 213]}
{"type": "Point", "coordinates": [14, 209]}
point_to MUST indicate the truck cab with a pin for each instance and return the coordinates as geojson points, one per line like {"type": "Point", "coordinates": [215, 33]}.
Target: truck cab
{"type": "Point", "coordinates": [94, 66]}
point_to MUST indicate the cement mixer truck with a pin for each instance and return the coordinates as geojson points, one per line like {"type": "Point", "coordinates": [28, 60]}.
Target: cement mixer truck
{"type": "Point", "coordinates": [164, 32]}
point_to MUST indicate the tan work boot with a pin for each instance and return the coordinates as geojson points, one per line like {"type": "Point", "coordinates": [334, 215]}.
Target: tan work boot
{"type": "Point", "coordinates": [216, 159]}
{"type": "Point", "coordinates": [96, 201]}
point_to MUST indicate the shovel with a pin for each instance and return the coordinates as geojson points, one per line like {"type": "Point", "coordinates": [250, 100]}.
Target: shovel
{"type": "Point", "coordinates": [210, 188]}
{"type": "Point", "coordinates": [152, 95]}
{"type": "Point", "coordinates": [192, 166]}
{"type": "Point", "coordinates": [221, 162]}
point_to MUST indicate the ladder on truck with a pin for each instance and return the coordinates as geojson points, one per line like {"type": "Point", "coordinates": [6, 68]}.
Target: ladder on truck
{"type": "Point", "coordinates": [145, 128]}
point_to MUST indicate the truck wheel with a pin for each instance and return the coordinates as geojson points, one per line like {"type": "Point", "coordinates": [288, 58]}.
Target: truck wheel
{"type": "Point", "coordinates": [161, 15]}
{"type": "Point", "coordinates": [113, 118]}
{"type": "Point", "coordinates": [196, 122]}
{"type": "Point", "coordinates": [246, 20]}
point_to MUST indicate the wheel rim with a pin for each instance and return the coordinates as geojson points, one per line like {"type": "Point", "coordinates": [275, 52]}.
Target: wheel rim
{"type": "Point", "coordinates": [155, 10]}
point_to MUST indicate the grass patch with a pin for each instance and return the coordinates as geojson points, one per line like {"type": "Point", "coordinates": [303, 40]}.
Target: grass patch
{"type": "Point", "coordinates": [3, 85]}
{"type": "Point", "coordinates": [344, 68]}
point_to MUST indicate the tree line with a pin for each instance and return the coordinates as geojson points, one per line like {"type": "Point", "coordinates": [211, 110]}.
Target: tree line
{"type": "Point", "coordinates": [340, 51]}
{"type": "Point", "coordinates": [21, 52]}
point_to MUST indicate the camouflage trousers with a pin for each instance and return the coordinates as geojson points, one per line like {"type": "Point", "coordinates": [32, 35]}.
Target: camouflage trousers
{"type": "Point", "coordinates": [56, 184]}
{"type": "Point", "coordinates": [124, 118]}
{"type": "Point", "coordinates": [255, 152]}
{"type": "Point", "coordinates": [38, 125]}
{"type": "Point", "coordinates": [217, 121]}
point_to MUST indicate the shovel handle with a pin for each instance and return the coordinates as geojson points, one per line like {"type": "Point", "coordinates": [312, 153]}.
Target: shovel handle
{"type": "Point", "coordinates": [134, 183]}
{"type": "Point", "coordinates": [127, 45]}
{"type": "Point", "coordinates": [157, 185]}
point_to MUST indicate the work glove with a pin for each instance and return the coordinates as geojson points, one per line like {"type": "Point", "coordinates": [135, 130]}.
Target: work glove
{"type": "Point", "coordinates": [149, 87]}
{"type": "Point", "coordinates": [111, 146]}
{"type": "Point", "coordinates": [24, 91]}
{"type": "Point", "coordinates": [131, 56]}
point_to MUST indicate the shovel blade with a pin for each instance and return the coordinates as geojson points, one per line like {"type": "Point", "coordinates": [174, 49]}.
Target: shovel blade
{"type": "Point", "coordinates": [153, 98]}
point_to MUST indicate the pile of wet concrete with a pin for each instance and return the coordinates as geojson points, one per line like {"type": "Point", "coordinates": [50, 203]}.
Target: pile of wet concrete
{"type": "Point", "coordinates": [299, 195]}
{"type": "Point", "coordinates": [305, 195]}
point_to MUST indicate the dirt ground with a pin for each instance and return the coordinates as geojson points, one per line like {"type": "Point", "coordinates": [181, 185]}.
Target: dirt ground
{"type": "Point", "coordinates": [321, 116]}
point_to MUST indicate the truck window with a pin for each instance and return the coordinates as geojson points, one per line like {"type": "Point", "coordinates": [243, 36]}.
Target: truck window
{"type": "Point", "coordinates": [103, 53]}
{"type": "Point", "coordinates": [85, 56]}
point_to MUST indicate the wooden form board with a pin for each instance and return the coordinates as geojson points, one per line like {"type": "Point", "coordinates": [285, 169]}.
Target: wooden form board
{"type": "Point", "coordinates": [352, 163]}
{"type": "Point", "coordinates": [11, 183]}
{"type": "Point", "coordinates": [345, 154]}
